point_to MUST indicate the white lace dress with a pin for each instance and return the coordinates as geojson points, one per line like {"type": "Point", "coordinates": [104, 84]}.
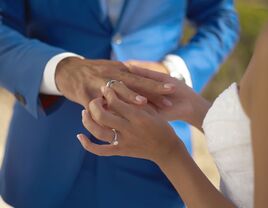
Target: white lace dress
{"type": "Point", "coordinates": [228, 133]}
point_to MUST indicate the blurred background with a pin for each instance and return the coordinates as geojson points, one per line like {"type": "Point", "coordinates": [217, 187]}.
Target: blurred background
{"type": "Point", "coordinates": [253, 15]}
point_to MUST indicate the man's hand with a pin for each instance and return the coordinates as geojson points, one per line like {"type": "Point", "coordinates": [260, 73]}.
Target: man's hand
{"type": "Point", "coordinates": [154, 66]}
{"type": "Point", "coordinates": [80, 81]}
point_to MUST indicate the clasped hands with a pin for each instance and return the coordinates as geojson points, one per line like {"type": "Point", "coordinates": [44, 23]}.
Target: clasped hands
{"type": "Point", "coordinates": [137, 106]}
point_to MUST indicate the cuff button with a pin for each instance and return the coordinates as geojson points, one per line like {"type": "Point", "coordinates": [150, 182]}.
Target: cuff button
{"type": "Point", "coordinates": [20, 98]}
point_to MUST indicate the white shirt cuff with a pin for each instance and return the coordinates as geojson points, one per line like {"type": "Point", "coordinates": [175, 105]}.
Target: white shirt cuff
{"type": "Point", "coordinates": [178, 69]}
{"type": "Point", "coordinates": [48, 85]}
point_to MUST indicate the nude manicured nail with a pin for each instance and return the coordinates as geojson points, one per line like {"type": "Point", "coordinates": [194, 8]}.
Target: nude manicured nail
{"type": "Point", "coordinates": [169, 86]}
{"type": "Point", "coordinates": [140, 99]}
{"type": "Point", "coordinates": [83, 112]}
{"type": "Point", "coordinates": [79, 137]}
{"type": "Point", "coordinates": [167, 102]}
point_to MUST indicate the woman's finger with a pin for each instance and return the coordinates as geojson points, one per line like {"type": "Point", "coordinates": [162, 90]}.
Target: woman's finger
{"type": "Point", "coordinates": [150, 109]}
{"type": "Point", "coordinates": [104, 117]}
{"type": "Point", "coordinates": [101, 150]}
{"type": "Point", "coordinates": [100, 132]}
{"type": "Point", "coordinates": [154, 86]}
{"type": "Point", "coordinates": [143, 84]}
{"type": "Point", "coordinates": [128, 95]}
{"type": "Point", "coordinates": [125, 110]}
{"type": "Point", "coordinates": [159, 101]}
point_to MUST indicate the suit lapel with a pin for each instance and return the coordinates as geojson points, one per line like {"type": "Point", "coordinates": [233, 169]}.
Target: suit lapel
{"type": "Point", "coordinates": [103, 18]}
{"type": "Point", "coordinates": [118, 25]}
{"type": "Point", "coordinates": [97, 10]}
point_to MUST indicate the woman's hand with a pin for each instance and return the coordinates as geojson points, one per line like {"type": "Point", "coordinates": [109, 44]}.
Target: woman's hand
{"type": "Point", "coordinates": [186, 104]}
{"type": "Point", "coordinates": [142, 133]}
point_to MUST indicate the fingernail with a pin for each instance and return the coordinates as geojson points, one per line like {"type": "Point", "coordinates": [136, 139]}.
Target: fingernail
{"type": "Point", "coordinates": [83, 112]}
{"type": "Point", "coordinates": [167, 102]}
{"type": "Point", "coordinates": [140, 99]}
{"type": "Point", "coordinates": [79, 137]}
{"type": "Point", "coordinates": [169, 86]}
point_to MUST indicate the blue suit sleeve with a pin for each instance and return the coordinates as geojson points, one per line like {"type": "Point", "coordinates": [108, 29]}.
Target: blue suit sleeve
{"type": "Point", "coordinates": [216, 35]}
{"type": "Point", "coordinates": [22, 59]}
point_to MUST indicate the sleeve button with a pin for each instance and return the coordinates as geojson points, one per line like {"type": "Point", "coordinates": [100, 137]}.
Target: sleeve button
{"type": "Point", "coordinates": [20, 98]}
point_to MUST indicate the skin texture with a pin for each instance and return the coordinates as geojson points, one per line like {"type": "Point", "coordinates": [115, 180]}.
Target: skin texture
{"type": "Point", "coordinates": [154, 66]}
{"type": "Point", "coordinates": [74, 80]}
{"type": "Point", "coordinates": [254, 98]}
{"type": "Point", "coordinates": [188, 105]}
{"type": "Point", "coordinates": [161, 146]}
{"type": "Point", "coordinates": [143, 131]}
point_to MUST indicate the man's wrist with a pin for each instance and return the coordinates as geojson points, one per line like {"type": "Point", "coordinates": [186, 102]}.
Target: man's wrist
{"type": "Point", "coordinates": [48, 85]}
{"type": "Point", "coordinates": [60, 68]}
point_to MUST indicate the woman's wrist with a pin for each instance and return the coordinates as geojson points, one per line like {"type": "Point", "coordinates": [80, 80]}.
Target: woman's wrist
{"type": "Point", "coordinates": [174, 153]}
{"type": "Point", "coordinates": [200, 108]}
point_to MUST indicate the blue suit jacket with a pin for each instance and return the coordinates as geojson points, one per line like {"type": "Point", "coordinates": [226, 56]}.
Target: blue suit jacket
{"type": "Point", "coordinates": [44, 165]}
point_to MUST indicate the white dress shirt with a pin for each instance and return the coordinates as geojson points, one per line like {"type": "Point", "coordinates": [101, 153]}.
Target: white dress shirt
{"type": "Point", "coordinates": [174, 64]}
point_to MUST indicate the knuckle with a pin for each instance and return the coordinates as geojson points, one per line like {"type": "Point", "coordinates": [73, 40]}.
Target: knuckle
{"type": "Point", "coordinates": [92, 105]}
{"type": "Point", "coordinates": [112, 100]}
{"type": "Point", "coordinates": [99, 116]}
{"type": "Point", "coordinates": [103, 70]}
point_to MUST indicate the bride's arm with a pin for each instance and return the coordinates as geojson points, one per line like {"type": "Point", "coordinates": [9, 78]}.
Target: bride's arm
{"type": "Point", "coordinates": [143, 134]}
{"type": "Point", "coordinates": [259, 119]}
{"type": "Point", "coordinates": [191, 183]}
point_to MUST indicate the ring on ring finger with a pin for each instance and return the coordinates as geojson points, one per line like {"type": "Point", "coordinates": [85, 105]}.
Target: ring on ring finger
{"type": "Point", "coordinates": [115, 138]}
{"type": "Point", "coordinates": [110, 83]}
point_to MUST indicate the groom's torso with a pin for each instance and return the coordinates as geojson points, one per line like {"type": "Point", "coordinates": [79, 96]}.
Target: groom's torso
{"type": "Point", "coordinates": [81, 26]}
{"type": "Point", "coordinates": [44, 165]}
